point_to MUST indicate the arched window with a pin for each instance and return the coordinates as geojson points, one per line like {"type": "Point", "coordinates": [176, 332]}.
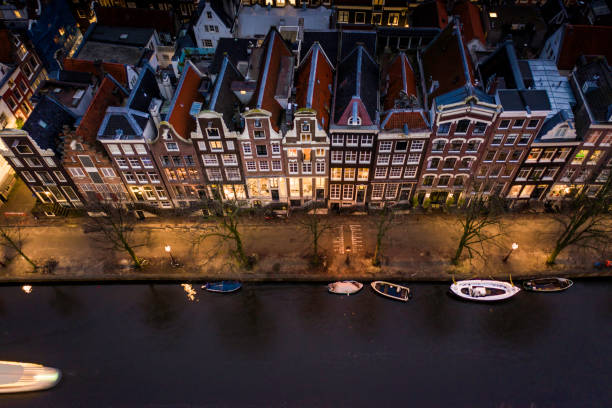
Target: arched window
{"type": "Point", "coordinates": [354, 121]}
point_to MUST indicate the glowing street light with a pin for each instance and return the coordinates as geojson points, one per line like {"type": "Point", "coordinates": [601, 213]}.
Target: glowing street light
{"type": "Point", "coordinates": [27, 289]}
{"type": "Point", "coordinates": [173, 262]}
{"type": "Point", "coordinates": [514, 248]}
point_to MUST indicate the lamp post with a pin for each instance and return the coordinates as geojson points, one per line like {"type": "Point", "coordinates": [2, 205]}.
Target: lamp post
{"type": "Point", "coordinates": [173, 261]}
{"type": "Point", "coordinates": [514, 247]}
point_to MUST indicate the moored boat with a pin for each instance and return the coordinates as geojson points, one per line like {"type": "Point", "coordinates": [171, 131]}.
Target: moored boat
{"type": "Point", "coordinates": [345, 287]}
{"type": "Point", "coordinates": [484, 290]}
{"type": "Point", "coordinates": [223, 286]}
{"type": "Point", "coordinates": [547, 284]}
{"type": "Point", "coordinates": [24, 377]}
{"type": "Point", "coordinates": [391, 290]}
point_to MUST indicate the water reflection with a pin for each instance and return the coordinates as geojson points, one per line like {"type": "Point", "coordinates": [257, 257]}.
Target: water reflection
{"type": "Point", "coordinates": [64, 302]}
{"type": "Point", "coordinates": [520, 320]}
{"type": "Point", "coordinates": [242, 320]}
{"type": "Point", "coordinates": [437, 309]}
{"type": "Point", "coordinates": [160, 307]}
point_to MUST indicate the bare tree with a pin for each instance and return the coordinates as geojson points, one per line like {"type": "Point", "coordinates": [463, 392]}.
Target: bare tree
{"type": "Point", "coordinates": [384, 222]}
{"type": "Point", "coordinates": [586, 221]}
{"type": "Point", "coordinates": [315, 226]}
{"type": "Point", "coordinates": [116, 226]}
{"type": "Point", "coordinates": [227, 230]}
{"type": "Point", "coordinates": [478, 218]}
{"type": "Point", "coordinates": [11, 237]}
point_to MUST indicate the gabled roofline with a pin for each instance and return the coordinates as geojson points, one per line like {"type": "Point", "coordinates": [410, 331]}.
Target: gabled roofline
{"type": "Point", "coordinates": [466, 68]}
{"type": "Point", "coordinates": [139, 81]}
{"type": "Point", "coordinates": [117, 84]}
{"type": "Point", "coordinates": [215, 95]}
{"type": "Point", "coordinates": [311, 78]}
{"type": "Point", "coordinates": [264, 76]}
{"type": "Point", "coordinates": [180, 87]}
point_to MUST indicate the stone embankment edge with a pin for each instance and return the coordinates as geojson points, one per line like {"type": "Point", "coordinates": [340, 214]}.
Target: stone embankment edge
{"type": "Point", "coordinates": [141, 278]}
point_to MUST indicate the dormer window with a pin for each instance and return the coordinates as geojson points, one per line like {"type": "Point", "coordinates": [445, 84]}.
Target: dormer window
{"type": "Point", "coordinates": [257, 123]}
{"type": "Point", "coordinates": [305, 127]}
{"type": "Point", "coordinates": [213, 133]}
{"type": "Point", "coordinates": [354, 121]}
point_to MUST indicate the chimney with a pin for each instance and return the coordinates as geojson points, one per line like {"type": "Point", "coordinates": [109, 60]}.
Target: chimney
{"type": "Point", "coordinates": [154, 111]}
{"type": "Point", "coordinates": [166, 88]}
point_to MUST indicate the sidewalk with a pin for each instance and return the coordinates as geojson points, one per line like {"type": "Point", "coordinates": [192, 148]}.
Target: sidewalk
{"type": "Point", "coordinates": [419, 247]}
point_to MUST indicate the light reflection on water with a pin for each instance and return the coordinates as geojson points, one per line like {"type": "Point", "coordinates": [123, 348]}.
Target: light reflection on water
{"type": "Point", "coordinates": [297, 345]}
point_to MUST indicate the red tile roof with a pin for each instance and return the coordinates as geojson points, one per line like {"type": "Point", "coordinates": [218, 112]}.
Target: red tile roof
{"type": "Point", "coordinates": [188, 93]}
{"type": "Point", "coordinates": [469, 14]}
{"type": "Point", "coordinates": [444, 61]}
{"type": "Point", "coordinates": [118, 71]}
{"type": "Point", "coordinates": [267, 81]}
{"type": "Point", "coordinates": [400, 78]}
{"type": "Point", "coordinates": [108, 94]}
{"type": "Point", "coordinates": [317, 97]}
{"type": "Point", "coordinates": [397, 120]}
{"type": "Point", "coordinates": [584, 40]}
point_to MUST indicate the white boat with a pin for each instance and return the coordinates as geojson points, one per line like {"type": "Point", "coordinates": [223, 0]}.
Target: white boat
{"type": "Point", "coordinates": [23, 377]}
{"type": "Point", "coordinates": [345, 287]}
{"type": "Point", "coordinates": [484, 290]}
{"type": "Point", "coordinates": [391, 290]}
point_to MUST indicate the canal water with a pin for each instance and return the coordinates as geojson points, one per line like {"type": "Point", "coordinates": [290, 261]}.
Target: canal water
{"type": "Point", "coordinates": [296, 345]}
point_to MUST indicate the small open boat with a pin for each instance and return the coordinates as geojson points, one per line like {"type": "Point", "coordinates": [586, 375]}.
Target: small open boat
{"type": "Point", "coordinates": [547, 284]}
{"type": "Point", "coordinates": [23, 377]}
{"type": "Point", "coordinates": [223, 286]}
{"type": "Point", "coordinates": [345, 287]}
{"type": "Point", "coordinates": [484, 290]}
{"type": "Point", "coordinates": [391, 290]}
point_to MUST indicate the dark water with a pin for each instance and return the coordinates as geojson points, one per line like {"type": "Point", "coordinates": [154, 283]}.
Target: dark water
{"type": "Point", "coordinates": [296, 345]}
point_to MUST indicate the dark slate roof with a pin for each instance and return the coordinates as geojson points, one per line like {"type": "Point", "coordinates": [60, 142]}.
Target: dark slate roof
{"type": "Point", "coordinates": [223, 100]}
{"type": "Point", "coordinates": [74, 76]}
{"type": "Point", "coordinates": [349, 38]}
{"type": "Point", "coordinates": [223, 9]}
{"type": "Point", "coordinates": [137, 37]}
{"type": "Point", "coordinates": [349, 82]}
{"type": "Point", "coordinates": [328, 41]}
{"type": "Point", "coordinates": [523, 100]}
{"type": "Point", "coordinates": [598, 93]}
{"type": "Point", "coordinates": [550, 123]}
{"type": "Point", "coordinates": [123, 123]}
{"type": "Point", "coordinates": [144, 91]}
{"type": "Point", "coordinates": [502, 64]}
{"type": "Point", "coordinates": [235, 48]}
{"type": "Point", "coordinates": [46, 122]}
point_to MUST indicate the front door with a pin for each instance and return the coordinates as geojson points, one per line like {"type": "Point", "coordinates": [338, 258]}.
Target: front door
{"type": "Point", "coordinates": [275, 195]}
{"type": "Point", "coordinates": [405, 192]}
{"type": "Point", "coordinates": [320, 194]}
{"type": "Point", "coordinates": [361, 190]}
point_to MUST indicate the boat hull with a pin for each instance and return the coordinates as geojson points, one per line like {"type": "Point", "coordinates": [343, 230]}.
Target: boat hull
{"type": "Point", "coordinates": [25, 377]}
{"type": "Point", "coordinates": [344, 287]}
{"type": "Point", "coordinates": [547, 284]}
{"type": "Point", "coordinates": [484, 290]}
{"type": "Point", "coordinates": [223, 286]}
{"type": "Point", "coordinates": [391, 290]}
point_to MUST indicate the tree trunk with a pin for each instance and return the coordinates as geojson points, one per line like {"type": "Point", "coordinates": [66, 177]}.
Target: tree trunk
{"type": "Point", "coordinates": [553, 255]}
{"type": "Point", "coordinates": [455, 259]}
{"type": "Point", "coordinates": [376, 257]}
{"type": "Point", "coordinates": [135, 259]}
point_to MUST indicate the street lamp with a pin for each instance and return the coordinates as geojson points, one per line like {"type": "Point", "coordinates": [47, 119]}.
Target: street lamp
{"type": "Point", "coordinates": [514, 247]}
{"type": "Point", "coordinates": [173, 261]}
